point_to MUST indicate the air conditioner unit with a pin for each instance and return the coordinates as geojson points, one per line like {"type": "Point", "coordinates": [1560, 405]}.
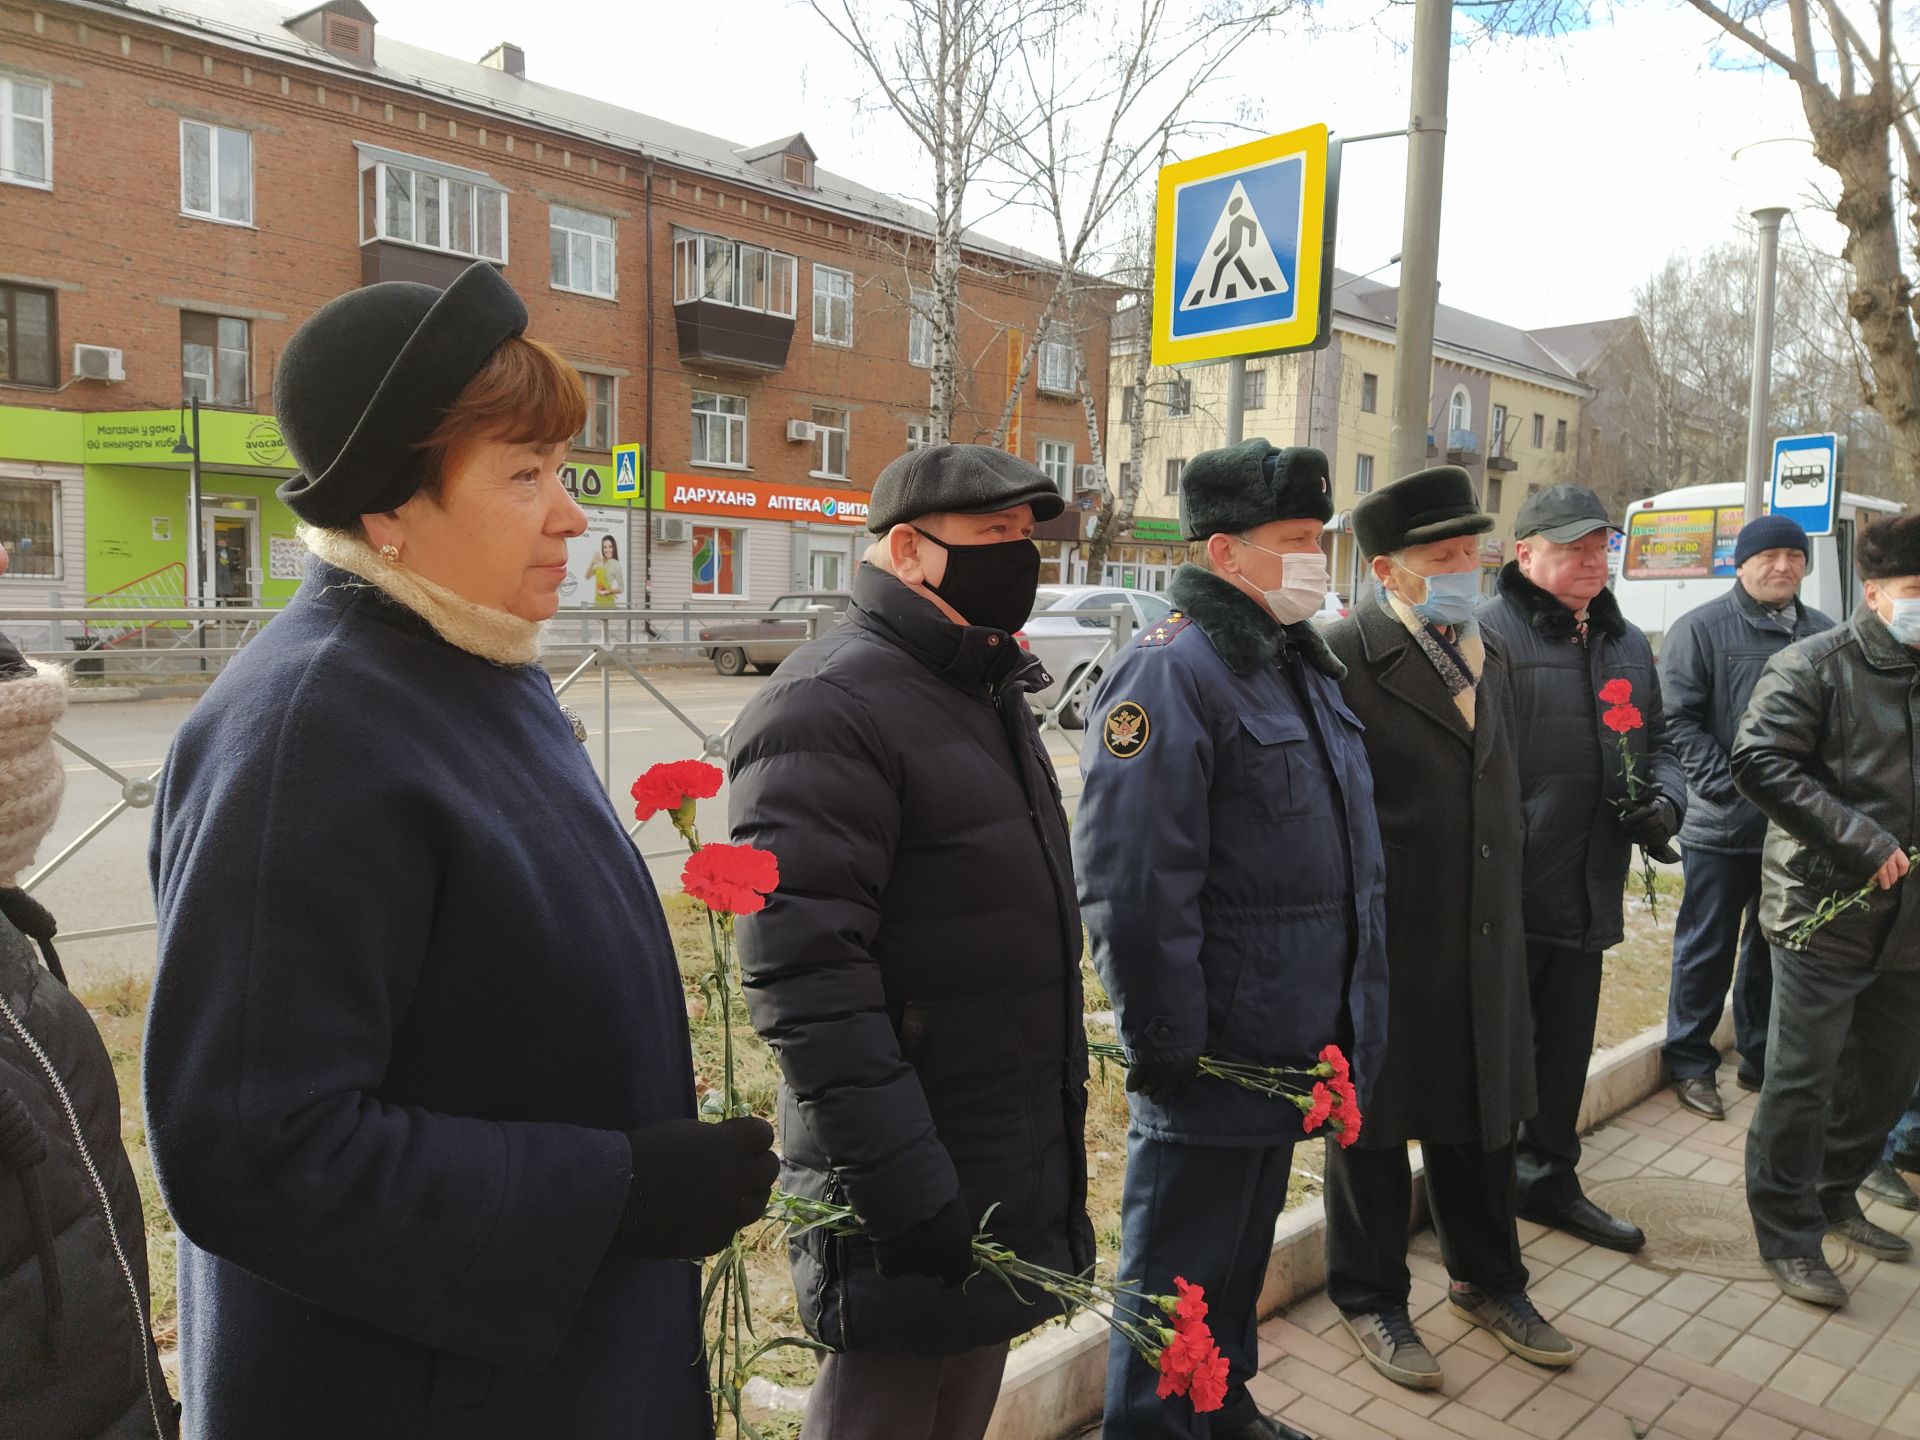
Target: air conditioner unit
{"type": "Point", "coordinates": [672, 529]}
{"type": "Point", "coordinates": [1086, 477]}
{"type": "Point", "coordinates": [799, 430]}
{"type": "Point", "coordinates": [98, 362]}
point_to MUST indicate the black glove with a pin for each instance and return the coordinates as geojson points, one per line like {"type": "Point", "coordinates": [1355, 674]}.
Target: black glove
{"type": "Point", "coordinates": [1160, 1081]}
{"type": "Point", "coordinates": [694, 1185]}
{"type": "Point", "coordinates": [941, 1247]}
{"type": "Point", "coordinates": [1649, 824]}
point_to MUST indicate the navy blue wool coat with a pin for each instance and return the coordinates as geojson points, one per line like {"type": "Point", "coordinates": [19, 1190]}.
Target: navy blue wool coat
{"type": "Point", "coordinates": [414, 985]}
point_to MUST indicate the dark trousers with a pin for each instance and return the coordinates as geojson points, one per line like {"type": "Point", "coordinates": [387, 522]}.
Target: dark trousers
{"type": "Point", "coordinates": [1843, 1057]}
{"type": "Point", "coordinates": [891, 1395]}
{"type": "Point", "coordinates": [1369, 1198]}
{"type": "Point", "coordinates": [1205, 1213]}
{"type": "Point", "coordinates": [1564, 987]}
{"type": "Point", "coordinates": [1723, 891]}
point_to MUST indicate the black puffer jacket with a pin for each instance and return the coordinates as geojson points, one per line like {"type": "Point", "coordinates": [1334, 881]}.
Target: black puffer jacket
{"type": "Point", "coordinates": [917, 971]}
{"type": "Point", "coordinates": [1830, 752]}
{"type": "Point", "coordinates": [1570, 777]}
{"type": "Point", "coordinates": [1709, 664]}
{"type": "Point", "coordinates": [76, 1359]}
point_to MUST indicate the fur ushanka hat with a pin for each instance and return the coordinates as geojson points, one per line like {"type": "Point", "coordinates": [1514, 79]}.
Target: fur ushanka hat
{"type": "Point", "coordinates": [1889, 547]}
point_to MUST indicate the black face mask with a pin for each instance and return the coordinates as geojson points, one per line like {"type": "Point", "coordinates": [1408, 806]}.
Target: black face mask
{"type": "Point", "coordinates": [990, 584]}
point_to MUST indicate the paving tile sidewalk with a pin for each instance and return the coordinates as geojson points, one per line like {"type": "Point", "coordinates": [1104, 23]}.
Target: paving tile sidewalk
{"type": "Point", "coordinates": [1676, 1345]}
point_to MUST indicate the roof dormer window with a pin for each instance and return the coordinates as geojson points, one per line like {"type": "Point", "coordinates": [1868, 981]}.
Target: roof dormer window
{"type": "Point", "coordinates": [340, 27]}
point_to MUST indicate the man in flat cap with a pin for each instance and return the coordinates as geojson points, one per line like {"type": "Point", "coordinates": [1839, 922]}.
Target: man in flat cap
{"type": "Point", "coordinates": [917, 972]}
{"type": "Point", "coordinates": [1459, 1075]}
{"type": "Point", "coordinates": [1231, 878]}
{"type": "Point", "coordinates": [1829, 750]}
{"type": "Point", "coordinates": [1565, 641]}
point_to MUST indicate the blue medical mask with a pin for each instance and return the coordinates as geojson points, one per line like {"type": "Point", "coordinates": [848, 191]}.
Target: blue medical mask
{"type": "Point", "coordinates": [1905, 623]}
{"type": "Point", "coordinates": [1451, 599]}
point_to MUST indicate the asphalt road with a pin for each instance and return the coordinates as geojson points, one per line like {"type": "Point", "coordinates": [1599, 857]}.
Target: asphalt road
{"type": "Point", "coordinates": [104, 883]}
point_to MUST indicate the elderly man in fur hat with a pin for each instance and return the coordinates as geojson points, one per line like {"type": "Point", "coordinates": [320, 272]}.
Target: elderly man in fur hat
{"type": "Point", "coordinates": [1828, 751]}
{"type": "Point", "coordinates": [1459, 1076]}
{"type": "Point", "coordinates": [1230, 877]}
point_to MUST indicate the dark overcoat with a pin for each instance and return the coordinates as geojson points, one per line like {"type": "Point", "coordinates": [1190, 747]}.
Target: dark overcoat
{"type": "Point", "coordinates": [1459, 1062]}
{"type": "Point", "coordinates": [414, 986]}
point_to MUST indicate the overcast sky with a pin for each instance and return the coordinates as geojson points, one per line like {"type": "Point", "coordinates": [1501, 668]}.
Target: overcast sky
{"type": "Point", "coordinates": [1573, 168]}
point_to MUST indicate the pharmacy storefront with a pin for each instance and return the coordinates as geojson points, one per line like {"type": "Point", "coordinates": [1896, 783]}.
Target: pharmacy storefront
{"type": "Point", "coordinates": [721, 544]}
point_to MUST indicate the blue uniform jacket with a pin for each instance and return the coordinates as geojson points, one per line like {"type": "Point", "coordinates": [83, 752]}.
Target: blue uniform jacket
{"type": "Point", "coordinates": [1229, 860]}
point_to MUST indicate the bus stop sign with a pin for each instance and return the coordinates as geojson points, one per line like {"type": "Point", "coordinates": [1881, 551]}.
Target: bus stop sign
{"type": "Point", "coordinates": [1806, 481]}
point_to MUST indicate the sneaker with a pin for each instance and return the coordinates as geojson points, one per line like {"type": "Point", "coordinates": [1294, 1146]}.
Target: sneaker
{"type": "Point", "coordinates": [1390, 1344]}
{"type": "Point", "coordinates": [1889, 1186]}
{"type": "Point", "coordinates": [1808, 1279]}
{"type": "Point", "coordinates": [1870, 1239]}
{"type": "Point", "coordinates": [1514, 1323]}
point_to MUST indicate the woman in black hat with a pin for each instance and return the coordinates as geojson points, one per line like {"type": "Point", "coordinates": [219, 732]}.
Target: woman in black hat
{"type": "Point", "coordinates": [418, 1083]}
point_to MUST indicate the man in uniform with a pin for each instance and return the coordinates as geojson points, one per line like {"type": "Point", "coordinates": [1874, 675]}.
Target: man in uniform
{"type": "Point", "coordinates": [1565, 640]}
{"type": "Point", "coordinates": [1459, 1075]}
{"type": "Point", "coordinates": [1230, 875]}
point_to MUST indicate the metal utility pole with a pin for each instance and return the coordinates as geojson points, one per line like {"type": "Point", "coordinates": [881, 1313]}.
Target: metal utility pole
{"type": "Point", "coordinates": [1236, 399]}
{"type": "Point", "coordinates": [1769, 220]}
{"type": "Point", "coordinates": [1420, 238]}
{"type": "Point", "coordinates": [196, 561]}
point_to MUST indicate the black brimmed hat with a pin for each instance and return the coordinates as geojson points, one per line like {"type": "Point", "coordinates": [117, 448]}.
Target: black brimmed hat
{"type": "Point", "coordinates": [1562, 514]}
{"type": "Point", "coordinates": [1428, 505]}
{"type": "Point", "coordinates": [959, 480]}
{"type": "Point", "coordinates": [368, 378]}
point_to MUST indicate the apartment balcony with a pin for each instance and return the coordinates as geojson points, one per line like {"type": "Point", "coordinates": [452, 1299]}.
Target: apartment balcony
{"type": "Point", "coordinates": [1463, 447]}
{"type": "Point", "coordinates": [1502, 462]}
{"type": "Point", "coordinates": [730, 338]}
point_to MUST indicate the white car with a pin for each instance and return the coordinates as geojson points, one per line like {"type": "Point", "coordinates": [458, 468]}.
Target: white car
{"type": "Point", "coordinates": [1071, 625]}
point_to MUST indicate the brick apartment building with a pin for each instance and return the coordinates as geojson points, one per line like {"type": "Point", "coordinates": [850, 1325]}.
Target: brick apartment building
{"type": "Point", "coordinates": [181, 184]}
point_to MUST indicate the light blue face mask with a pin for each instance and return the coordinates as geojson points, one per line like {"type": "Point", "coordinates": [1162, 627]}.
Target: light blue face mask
{"type": "Point", "coordinates": [1905, 623]}
{"type": "Point", "coordinates": [1451, 599]}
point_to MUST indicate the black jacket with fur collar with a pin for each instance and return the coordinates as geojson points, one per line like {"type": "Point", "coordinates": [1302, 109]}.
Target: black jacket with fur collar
{"type": "Point", "coordinates": [1570, 763]}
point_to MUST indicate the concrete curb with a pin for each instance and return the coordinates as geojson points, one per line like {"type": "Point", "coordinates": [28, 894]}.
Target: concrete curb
{"type": "Point", "coordinates": [1055, 1383]}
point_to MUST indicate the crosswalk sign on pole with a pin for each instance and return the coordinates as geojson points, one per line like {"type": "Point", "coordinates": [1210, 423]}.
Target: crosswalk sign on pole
{"type": "Point", "coordinates": [626, 470]}
{"type": "Point", "coordinates": [1243, 245]}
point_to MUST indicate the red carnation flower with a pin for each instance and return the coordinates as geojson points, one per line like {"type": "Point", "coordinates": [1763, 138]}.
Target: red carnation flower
{"type": "Point", "coordinates": [1347, 1101]}
{"type": "Point", "coordinates": [1332, 1058]}
{"type": "Point", "coordinates": [1617, 692]}
{"type": "Point", "coordinates": [1320, 1108]}
{"type": "Point", "coordinates": [1178, 1359]}
{"type": "Point", "coordinates": [672, 784]}
{"type": "Point", "coordinates": [1191, 1308]}
{"type": "Point", "coordinates": [732, 879]}
{"type": "Point", "coordinates": [1208, 1387]}
{"type": "Point", "coordinates": [1622, 718]}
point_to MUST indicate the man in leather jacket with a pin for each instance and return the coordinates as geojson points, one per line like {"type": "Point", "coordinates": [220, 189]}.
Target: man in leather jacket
{"type": "Point", "coordinates": [1828, 750]}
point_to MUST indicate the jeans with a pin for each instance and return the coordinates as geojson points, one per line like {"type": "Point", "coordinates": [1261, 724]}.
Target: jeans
{"type": "Point", "coordinates": [1723, 892]}
{"type": "Point", "coordinates": [1903, 1141]}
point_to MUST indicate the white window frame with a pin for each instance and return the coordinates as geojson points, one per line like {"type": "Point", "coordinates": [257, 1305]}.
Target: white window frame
{"type": "Point", "coordinates": [825, 298]}
{"type": "Point", "coordinates": [219, 137]}
{"type": "Point", "coordinates": [420, 169]}
{"type": "Point", "coordinates": [211, 397]}
{"type": "Point", "coordinates": [690, 250]}
{"type": "Point", "coordinates": [824, 433]}
{"type": "Point", "coordinates": [584, 440]}
{"type": "Point", "coordinates": [919, 434]}
{"type": "Point", "coordinates": [1460, 405]}
{"type": "Point", "coordinates": [564, 220]}
{"type": "Point", "coordinates": [19, 577]}
{"type": "Point", "coordinates": [1253, 389]}
{"type": "Point", "coordinates": [1369, 404]}
{"type": "Point", "coordinates": [743, 540]}
{"type": "Point", "coordinates": [1363, 474]}
{"type": "Point", "coordinates": [1497, 432]}
{"type": "Point", "coordinates": [8, 175]}
{"type": "Point", "coordinates": [1059, 367]}
{"type": "Point", "coordinates": [920, 329]}
{"type": "Point", "coordinates": [1055, 459]}
{"type": "Point", "coordinates": [1175, 477]}
{"type": "Point", "coordinates": [1179, 400]}
{"type": "Point", "coordinates": [732, 430]}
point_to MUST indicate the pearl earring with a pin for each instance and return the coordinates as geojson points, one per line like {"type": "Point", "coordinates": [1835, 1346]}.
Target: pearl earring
{"type": "Point", "coordinates": [390, 552]}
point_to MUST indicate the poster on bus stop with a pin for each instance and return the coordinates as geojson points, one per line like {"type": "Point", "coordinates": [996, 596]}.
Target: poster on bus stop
{"type": "Point", "coordinates": [597, 563]}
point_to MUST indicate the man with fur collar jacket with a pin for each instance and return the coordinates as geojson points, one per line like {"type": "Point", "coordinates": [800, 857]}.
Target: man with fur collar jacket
{"type": "Point", "coordinates": [1565, 639]}
{"type": "Point", "coordinates": [1232, 881]}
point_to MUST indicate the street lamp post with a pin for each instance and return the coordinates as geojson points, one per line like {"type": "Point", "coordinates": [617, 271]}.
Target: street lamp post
{"type": "Point", "coordinates": [1769, 218]}
{"type": "Point", "coordinates": [182, 445]}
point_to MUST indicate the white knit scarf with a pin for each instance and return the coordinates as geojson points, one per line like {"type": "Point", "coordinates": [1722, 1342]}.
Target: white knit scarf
{"type": "Point", "coordinates": [31, 777]}
{"type": "Point", "coordinates": [478, 629]}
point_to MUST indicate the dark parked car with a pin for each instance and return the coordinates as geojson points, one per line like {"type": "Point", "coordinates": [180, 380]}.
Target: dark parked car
{"type": "Point", "coordinates": [763, 644]}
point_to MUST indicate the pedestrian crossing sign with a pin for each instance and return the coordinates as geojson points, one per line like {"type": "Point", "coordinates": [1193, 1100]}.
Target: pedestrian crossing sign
{"type": "Point", "coordinates": [626, 470]}
{"type": "Point", "coordinates": [1243, 242]}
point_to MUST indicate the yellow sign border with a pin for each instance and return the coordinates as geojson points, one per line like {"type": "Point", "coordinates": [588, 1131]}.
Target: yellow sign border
{"type": "Point", "coordinates": [638, 471]}
{"type": "Point", "coordinates": [1310, 142]}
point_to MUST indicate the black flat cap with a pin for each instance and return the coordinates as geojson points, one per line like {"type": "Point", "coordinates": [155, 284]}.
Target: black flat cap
{"type": "Point", "coordinates": [1562, 514]}
{"type": "Point", "coordinates": [369, 376]}
{"type": "Point", "coordinates": [959, 480]}
{"type": "Point", "coordinates": [1227, 492]}
{"type": "Point", "coordinates": [1428, 505]}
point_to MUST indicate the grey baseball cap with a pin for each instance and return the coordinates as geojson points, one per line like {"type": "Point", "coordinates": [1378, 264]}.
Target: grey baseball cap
{"type": "Point", "coordinates": [1562, 514]}
{"type": "Point", "coordinates": [959, 480]}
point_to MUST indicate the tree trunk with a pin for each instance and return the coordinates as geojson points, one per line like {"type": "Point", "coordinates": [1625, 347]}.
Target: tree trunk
{"type": "Point", "coordinates": [1116, 511]}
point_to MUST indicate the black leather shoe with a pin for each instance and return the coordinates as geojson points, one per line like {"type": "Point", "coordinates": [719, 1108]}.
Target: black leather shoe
{"type": "Point", "coordinates": [1586, 1221]}
{"type": "Point", "coordinates": [1701, 1095]}
{"type": "Point", "coordinates": [1887, 1185]}
{"type": "Point", "coordinates": [1748, 1082]}
{"type": "Point", "coordinates": [1263, 1427]}
{"type": "Point", "coordinates": [1809, 1279]}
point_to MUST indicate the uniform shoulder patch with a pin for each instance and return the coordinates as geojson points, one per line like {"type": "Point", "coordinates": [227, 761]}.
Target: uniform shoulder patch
{"type": "Point", "coordinates": [1125, 730]}
{"type": "Point", "coordinates": [1162, 631]}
